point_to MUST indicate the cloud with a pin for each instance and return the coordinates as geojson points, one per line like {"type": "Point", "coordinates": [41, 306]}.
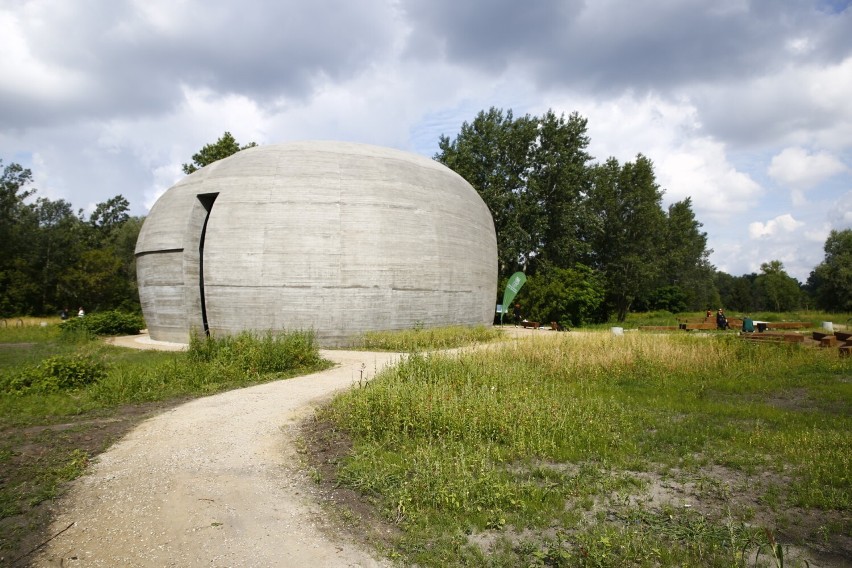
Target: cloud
{"type": "Point", "coordinates": [781, 224]}
{"type": "Point", "coordinates": [135, 57]}
{"type": "Point", "coordinates": [800, 170]}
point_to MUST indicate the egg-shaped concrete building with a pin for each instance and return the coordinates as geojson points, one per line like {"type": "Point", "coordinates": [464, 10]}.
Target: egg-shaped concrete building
{"type": "Point", "coordinates": [332, 237]}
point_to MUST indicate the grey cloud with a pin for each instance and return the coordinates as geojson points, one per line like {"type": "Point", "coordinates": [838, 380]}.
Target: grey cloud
{"type": "Point", "coordinates": [610, 47]}
{"type": "Point", "coordinates": [487, 34]}
{"type": "Point", "coordinates": [261, 50]}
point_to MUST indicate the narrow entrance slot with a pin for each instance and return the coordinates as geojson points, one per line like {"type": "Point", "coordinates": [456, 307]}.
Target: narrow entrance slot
{"type": "Point", "coordinates": [206, 200]}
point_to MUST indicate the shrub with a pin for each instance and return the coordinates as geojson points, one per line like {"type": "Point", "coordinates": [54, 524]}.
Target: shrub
{"type": "Point", "coordinates": [271, 353]}
{"type": "Point", "coordinates": [569, 296]}
{"type": "Point", "coordinates": [104, 323]}
{"type": "Point", "coordinates": [55, 374]}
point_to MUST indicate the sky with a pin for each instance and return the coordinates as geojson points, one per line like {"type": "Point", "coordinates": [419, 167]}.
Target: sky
{"type": "Point", "coordinates": [743, 106]}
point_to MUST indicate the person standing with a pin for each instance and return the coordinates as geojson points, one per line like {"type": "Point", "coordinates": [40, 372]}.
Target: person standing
{"type": "Point", "coordinates": [81, 312]}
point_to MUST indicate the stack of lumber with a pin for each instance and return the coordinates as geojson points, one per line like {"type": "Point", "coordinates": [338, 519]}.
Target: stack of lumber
{"type": "Point", "coordinates": [839, 339]}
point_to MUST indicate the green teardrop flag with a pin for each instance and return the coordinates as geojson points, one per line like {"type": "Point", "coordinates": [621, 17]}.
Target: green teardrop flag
{"type": "Point", "coordinates": [515, 282]}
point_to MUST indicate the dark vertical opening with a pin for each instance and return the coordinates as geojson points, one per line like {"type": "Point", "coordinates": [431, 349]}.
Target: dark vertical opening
{"type": "Point", "coordinates": [206, 200]}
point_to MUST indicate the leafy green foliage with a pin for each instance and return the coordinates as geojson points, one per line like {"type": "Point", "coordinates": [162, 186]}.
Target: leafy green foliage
{"type": "Point", "coordinates": [104, 323]}
{"type": "Point", "coordinates": [55, 374]}
{"type": "Point", "coordinates": [779, 291]}
{"type": "Point", "coordinates": [831, 280]}
{"type": "Point", "coordinates": [222, 148]}
{"type": "Point", "coordinates": [531, 172]}
{"type": "Point", "coordinates": [569, 296]}
{"type": "Point", "coordinates": [626, 242]}
{"type": "Point", "coordinates": [55, 259]}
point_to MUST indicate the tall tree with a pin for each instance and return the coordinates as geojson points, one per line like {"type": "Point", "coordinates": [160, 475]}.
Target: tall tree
{"type": "Point", "coordinates": [222, 148]}
{"type": "Point", "coordinates": [17, 226]}
{"type": "Point", "coordinates": [492, 153]}
{"type": "Point", "coordinates": [626, 236]}
{"type": "Point", "coordinates": [686, 258]}
{"type": "Point", "coordinates": [59, 241]}
{"type": "Point", "coordinates": [778, 291]}
{"type": "Point", "coordinates": [110, 214]}
{"type": "Point", "coordinates": [532, 173]}
{"type": "Point", "coordinates": [831, 280]}
{"type": "Point", "coordinates": [559, 182]}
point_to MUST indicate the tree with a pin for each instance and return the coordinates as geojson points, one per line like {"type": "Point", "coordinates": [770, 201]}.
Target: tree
{"type": "Point", "coordinates": [831, 280]}
{"type": "Point", "coordinates": [222, 148]}
{"type": "Point", "coordinates": [96, 281]}
{"type": "Point", "coordinates": [532, 174]}
{"type": "Point", "coordinates": [59, 242]}
{"type": "Point", "coordinates": [17, 225]}
{"type": "Point", "coordinates": [568, 296]}
{"type": "Point", "coordinates": [110, 214]}
{"type": "Point", "coordinates": [686, 272]}
{"type": "Point", "coordinates": [492, 154]}
{"type": "Point", "coordinates": [558, 184]}
{"type": "Point", "coordinates": [777, 290]}
{"type": "Point", "coordinates": [625, 202]}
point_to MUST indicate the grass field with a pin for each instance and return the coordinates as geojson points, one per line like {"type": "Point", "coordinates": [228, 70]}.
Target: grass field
{"type": "Point", "coordinates": [597, 450]}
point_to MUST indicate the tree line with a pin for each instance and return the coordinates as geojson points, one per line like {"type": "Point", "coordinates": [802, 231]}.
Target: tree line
{"type": "Point", "coordinates": [593, 238]}
{"type": "Point", "coordinates": [55, 259]}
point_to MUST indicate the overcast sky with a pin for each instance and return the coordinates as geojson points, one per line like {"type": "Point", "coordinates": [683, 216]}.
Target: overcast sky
{"type": "Point", "coordinates": [746, 106]}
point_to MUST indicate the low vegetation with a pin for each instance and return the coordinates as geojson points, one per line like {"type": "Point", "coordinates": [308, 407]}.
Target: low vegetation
{"type": "Point", "coordinates": [65, 398]}
{"type": "Point", "coordinates": [420, 338]}
{"type": "Point", "coordinates": [597, 450]}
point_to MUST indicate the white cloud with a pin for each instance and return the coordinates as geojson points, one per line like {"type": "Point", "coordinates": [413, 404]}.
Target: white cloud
{"type": "Point", "coordinates": [800, 170]}
{"type": "Point", "coordinates": [781, 224]}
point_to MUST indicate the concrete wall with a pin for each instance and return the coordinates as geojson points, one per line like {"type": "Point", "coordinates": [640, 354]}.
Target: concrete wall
{"type": "Point", "coordinates": [338, 238]}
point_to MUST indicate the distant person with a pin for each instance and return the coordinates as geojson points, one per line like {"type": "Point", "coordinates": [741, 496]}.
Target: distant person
{"type": "Point", "coordinates": [81, 312]}
{"type": "Point", "coordinates": [721, 320]}
{"type": "Point", "coordinates": [63, 315]}
{"type": "Point", "coordinates": [517, 314]}
{"type": "Point", "coordinates": [748, 325]}
{"type": "Point", "coordinates": [708, 314]}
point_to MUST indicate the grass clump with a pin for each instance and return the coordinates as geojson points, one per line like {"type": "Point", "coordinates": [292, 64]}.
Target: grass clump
{"type": "Point", "coordinates": [542, 452]}
{"type": "Point", "coordinates": [426, 339]}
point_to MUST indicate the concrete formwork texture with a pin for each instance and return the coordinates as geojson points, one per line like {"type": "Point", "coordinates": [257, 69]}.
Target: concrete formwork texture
{"type": "Point", "coordinates": [332, 237]}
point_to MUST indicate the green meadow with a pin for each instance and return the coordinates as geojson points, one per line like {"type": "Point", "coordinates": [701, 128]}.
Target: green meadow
{"type": "Point", "coordinates": [589, 449]}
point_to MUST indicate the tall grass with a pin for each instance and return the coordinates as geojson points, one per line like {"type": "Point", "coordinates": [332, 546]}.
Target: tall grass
{"type": "Point", "coordinates": [210, 365]}
{"type": "Point", "coordinates": [509, 435]}
{"type": "Point", "coordinates": [419, 338]}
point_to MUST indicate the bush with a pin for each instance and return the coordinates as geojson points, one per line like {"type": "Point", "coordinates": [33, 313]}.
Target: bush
{"type": "Point", "coordinates": [257, 355]}
{"type": "Point", "coordinates": [55, 374]}
{"type": "Point", "coordinates": [569, 296]}
{"type": "Point", "coordinates": [104, 323]}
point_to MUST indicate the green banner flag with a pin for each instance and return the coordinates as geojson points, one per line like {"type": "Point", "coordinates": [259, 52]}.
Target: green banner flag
{"type": "Point", "coordinates": [515, 282]}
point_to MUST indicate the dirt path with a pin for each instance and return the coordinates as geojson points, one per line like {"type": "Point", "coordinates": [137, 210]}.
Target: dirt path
{"type": "Point", "coordinates": [214, 482]}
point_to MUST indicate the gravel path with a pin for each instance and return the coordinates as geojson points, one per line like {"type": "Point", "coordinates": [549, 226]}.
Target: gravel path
{"type": "Point", "coordinates": [214, 482]}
